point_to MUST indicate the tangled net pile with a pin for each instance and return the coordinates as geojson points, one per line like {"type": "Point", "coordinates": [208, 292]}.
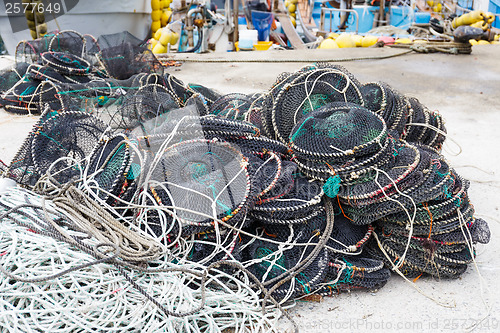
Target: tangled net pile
{"type": "Point", "coordinates": [176, 208]}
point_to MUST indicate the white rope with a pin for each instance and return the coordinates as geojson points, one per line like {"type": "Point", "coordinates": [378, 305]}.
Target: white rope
{"type": "Point", "coordinates": [98, 298]}
{"type": "Point", "coordinates": [437, 130]}
{"type": "Point", "coordinates": [411, 218]}
{"type": "Point", "coordinates": [482, 282]}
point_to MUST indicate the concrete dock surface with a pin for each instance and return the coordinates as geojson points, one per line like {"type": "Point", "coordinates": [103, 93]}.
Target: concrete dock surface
{"type": "Point", "coordinates": [465, 89]}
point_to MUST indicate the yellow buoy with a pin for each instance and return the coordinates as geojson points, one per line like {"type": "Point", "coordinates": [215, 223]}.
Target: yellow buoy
{"type": "Point", "coordinates": [166, 37]}
{"type": "Point", "coordinates": [152, 43]}
{"type": "Point", "coordinates": [473, 42]}
{"type": "Point", "coordinates": [467, 19]}
{"type": "Point", "coordinates": [157, 34]}
{"type": "Point", "coordinates": [294, 1]}
{"type": "Point", "coordinates": [287, 3]}
{"type": "Point", "coordinates": [494, 42]}
{"type": "Point", "coordinates": [358, 40]}
{"type": "Point", "coordinates": [403, 41]}
{"type": "Point", "coordinates": [483, 42]}
{"type": "Point", "coordinates": [155, 5]}
{"type": "Point", "coordinates": [437, 8]}
{"type": "Point", "coordinates": [332, 35]}
{"type": "Point", "coordinates": [481, 25]}
{"type": "Point", "coordinates": [165, 17]}
{"type": "Point", "coordinates": [159, 48]}
{"type": "Point", "coordinates": [488, 17]}
{"type": "Point", "coordinates": [292, 8]}
{"type": "Point", "coordinates": [155, 26]}
{"type": "Point", "coordinates": [175, 38]}
{"type": "Point", "coordinates": [497, 37]}
{"type": "Point", "coordinates": [328, 44]}
{"type": "Point", "coordinates": [369, 41]}
{"type": "Point", "coordinates": [156, 15]}
{"type": "Point", "coordinates": [345, 41]}
{"type": "Point", "coordinates": [294, 23]}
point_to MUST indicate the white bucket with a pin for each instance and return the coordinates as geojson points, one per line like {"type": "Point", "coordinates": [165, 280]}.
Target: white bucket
{"type": "Point", "coordinates": [246, 38]}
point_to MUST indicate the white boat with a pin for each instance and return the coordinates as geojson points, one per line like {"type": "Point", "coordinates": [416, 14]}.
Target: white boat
{"type": "Point", "coordinates": [95, 17]}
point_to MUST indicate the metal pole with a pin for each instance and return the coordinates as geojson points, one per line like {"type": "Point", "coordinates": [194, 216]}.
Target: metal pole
{"type": "Point", "coordinates": [381, 18]}
{"type": "Point", "coordinates": [236, 11]}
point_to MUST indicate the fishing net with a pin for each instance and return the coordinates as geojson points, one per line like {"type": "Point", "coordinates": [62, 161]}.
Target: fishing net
{"type": "Point", "coordinates": [255, 111]}
{"type": "Point", "coordinates": [267, 167]}
{"type": "Point", "coordinates": [84, 73]}
{"type": "Point", "coordinates": [284, 184]}
{"type": "Point", "coordinates": [3, 168]}
{"type": "Point", "coordinates": [352, 170]}
{"type": "Point", "coordinates": [109, 166]}
{"type": "Point", "coordinates": [437, 236]}
{"type": "Point", "coordinates": [340, 143]}
{"type": "Point", "coordinates": [58, 146]}
{"type": "Point", "coordinates": [208, 95]}
{"type": "Point", "coordinates": [436, 183]}
{"type": "Point", "coordinates": [45, 73]}
{"type": "Point", "coordinates": [347, 237]}
{"type": "Point", "coordinates": [260, 144]}
{"type": "Point", "coordinates": [316, 84]}
{"type": "Point", "coordinates": [389, 104]}
{"type": "Point", "coordinates": [405, 117]}
{"type": "Point", "coordinates": [347, 273]}
{"type": "Point", "coordinates": [92, 47]}
{"type": "Point", "coordinates": [231, 106]}
{"type": "Point", "coordinates": [116, 39]}
{"type": "Point", "coordinates": [308, 92]}
{"type": "Point", "coordinates": [202, 180]}
{"type": "Point", "coordinates": [66, 63]}
{"type": "Point", "coordinates": [270, 262]}
{"type": "Point", "coordinates": [443, 256]}
{"type": "Point", "coordinates": [184, 94]}
{"type": "Point", "coordinates": [10, 76]}
{"type": "Point", "coordinates": [185, 124]}
{"type": "Point", "coordinates": [64, 141]}
{"type": "Point", "coordinates": [69, 42]}
{"type": "Point", "coordinates": [318, 185]}
{"type": "Point", "coordinates": [302, 200]}
{"type": "Point", "coordinates": [425, 126]}
{"type": "Point", "coordinates": [406, 170]}
{"type": "Point", "coordinates": [30, 51]}
{"type": "Point", "coordinates": [126, 59]}
{"type": "Point", "coordinates": [338, 131]}
{"type": "Point", "coordinates": [438, 209]}
{"type": "Point", "coordinates": [101, 97]}
{"type": "Point", "coordinates": [148, 102]}
{"type": "Point", "coordinates": [22, 97]}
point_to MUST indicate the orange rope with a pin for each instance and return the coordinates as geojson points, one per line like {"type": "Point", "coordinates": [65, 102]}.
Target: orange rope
{"type": "Point", "coordinates": [338, 199]}
{"type": "Point", "coordinates": [270, 235]}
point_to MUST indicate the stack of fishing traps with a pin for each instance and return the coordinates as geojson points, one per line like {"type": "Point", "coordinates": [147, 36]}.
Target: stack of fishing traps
{"type": "Point", "coordinates": [318, 185]}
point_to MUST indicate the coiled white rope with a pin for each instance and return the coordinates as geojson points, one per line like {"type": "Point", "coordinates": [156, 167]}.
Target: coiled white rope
{"type": "Point", "coordinates": [98, 298]}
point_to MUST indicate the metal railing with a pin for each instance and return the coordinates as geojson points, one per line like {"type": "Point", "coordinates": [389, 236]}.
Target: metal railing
{"type": "Point", "coordinates": [330, 11]}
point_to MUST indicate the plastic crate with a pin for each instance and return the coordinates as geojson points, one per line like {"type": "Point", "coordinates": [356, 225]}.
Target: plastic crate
{"type": "Point", "coordinates": [402, 16]}
{"type": "Point", "coordinates": [494, 8]}
{"type": "Point", "coordinates": [365, 14]}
